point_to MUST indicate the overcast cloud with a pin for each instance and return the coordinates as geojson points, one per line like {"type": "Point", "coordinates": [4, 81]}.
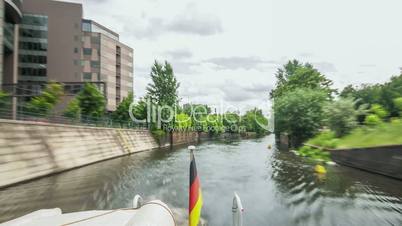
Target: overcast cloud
{"type": "Point", "coordinates": [229, 50]}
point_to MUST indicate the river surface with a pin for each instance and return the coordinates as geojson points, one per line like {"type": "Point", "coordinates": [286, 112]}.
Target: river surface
{"type": "Point", "coordinates": [276, 187]}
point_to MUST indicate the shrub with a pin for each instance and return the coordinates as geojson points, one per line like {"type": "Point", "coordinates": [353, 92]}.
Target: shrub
{"type": "Point", "coordinates": [379, 111]}
{"type": "Point", "coordinates": [73, 109]}
{"type": "Point", "coordinates": [326, 139]}
{"type": "Point", "coordinates": [314, 153]}
{"type": "Point", "coordinates": [372, 120]}
{"type": "Point", "coordinates": [44, 103]}
{"type": "Point", "coordinates": [341, 116]}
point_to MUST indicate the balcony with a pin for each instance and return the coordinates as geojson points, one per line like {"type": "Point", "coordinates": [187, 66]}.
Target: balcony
{"type": "Point", "coordinates": [13, 11]}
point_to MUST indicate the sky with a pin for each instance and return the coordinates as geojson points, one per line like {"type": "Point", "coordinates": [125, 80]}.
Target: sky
{"type": "Point", "coordinates": [226, 52]}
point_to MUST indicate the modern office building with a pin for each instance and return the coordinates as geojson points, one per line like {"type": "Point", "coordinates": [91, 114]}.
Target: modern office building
{"type": "Point", "coordinates": [55, 43]}
{"type": "Point", "coordinates": [10, 17]}
{"type": "Point", "coordinates": [105, 59]}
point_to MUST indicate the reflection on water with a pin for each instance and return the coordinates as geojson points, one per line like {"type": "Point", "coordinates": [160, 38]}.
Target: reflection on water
{"type": "Point", "coordinates": [277, 188]}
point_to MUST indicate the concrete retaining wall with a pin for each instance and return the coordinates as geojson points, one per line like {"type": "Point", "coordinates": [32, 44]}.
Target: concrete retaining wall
{"type": "Point", "coordinates": [31, 150]}
{"type": "Point", "coordinates": [181, 138]}
{"type": "Point", "coordinates": [385, 160]}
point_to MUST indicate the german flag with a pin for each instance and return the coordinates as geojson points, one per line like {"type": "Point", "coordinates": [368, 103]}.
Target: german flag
{"type": "Point", "coordinates": [195, 198]}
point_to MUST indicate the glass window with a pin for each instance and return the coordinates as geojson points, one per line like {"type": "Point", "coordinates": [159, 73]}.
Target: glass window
{"type": "Point", "coordinates": [75, 50]}
{"type": "Point", "coordinates": [87, 51]}
{"type": "Point", "coordinates": [95, 40]}
{"type": "Point", "coordinates": [33, 46]}
{"type": "Point", "coordinates": [37, 20]}
{"type": "Point", "coordinates": [95, 64]}
{"type": "Point", "coordinates": [87, 76]}
{"type": "Point", "coordinates": [86, 26]}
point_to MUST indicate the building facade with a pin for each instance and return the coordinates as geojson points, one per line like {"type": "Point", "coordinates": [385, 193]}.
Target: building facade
{"type": "Point", "coordinates": [10, 17]}
{"type": "Point", "coordinates": [54, 43]}
{"type": "Point", "coordinates": [106, 59]}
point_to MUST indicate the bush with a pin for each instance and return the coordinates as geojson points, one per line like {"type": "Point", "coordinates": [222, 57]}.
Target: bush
{"type": "Point", "coordinates": [158, 133]}
{"type": "Point", "coordinates": [379, 111]}
{"type": "Point", "coordinates": [341, 116]}
{"type": "Point", "coordinates": [73, 110]}
{"type": "Point", "coordinates": [398, 105]}
{"type": "Point", "coordinates": [372, 120]}
{"type": "Point", "coordinates": [325, 139]}
{"type": "Point", "coordinates": [314, 154]}
{"type": "Point", "coordinates": [44, 103]}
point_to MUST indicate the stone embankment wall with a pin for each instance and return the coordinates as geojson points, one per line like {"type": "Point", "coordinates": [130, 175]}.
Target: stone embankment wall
{"type": "Point", "coordinates": [182, 138]}
{"type": "Point", "coordinates": [386, 160]}
{"type": "Point", "coordinates": [32, 150]}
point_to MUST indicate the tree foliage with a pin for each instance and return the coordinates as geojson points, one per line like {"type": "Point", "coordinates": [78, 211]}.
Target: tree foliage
{"type": "Point", "coordinates": [341, 116]}
{"type": "Point", "coordinates": [255, 121]}
{"type": "Point", "coordinates": [382, 94]}
{"type": "Point", "coordinates": [73, 109]}
{"type": "Point", "coordinates": [163, 89]}
{"type": "Point", "coordinates": [183, 121]}
{"type": "Point", "coordinates": [164, 86]}
{"type": "Point", "coordinates": [295, 75]}
{"type": "Point", "coordinates": [122, 111]}
{"type": "Point", "coordinates": [300, 113]}
{"type": "Point", "coordinates": [92, 101]}
{"type": "Point", "coordinates": [43, 104]}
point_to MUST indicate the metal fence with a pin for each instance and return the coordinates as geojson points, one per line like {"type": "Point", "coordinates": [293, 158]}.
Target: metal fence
{"type": "Point", "coordinates": [22, 113]}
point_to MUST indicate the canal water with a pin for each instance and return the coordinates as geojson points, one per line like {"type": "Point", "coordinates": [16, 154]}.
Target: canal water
{"type": "Point", "coordinates": [277, 188]}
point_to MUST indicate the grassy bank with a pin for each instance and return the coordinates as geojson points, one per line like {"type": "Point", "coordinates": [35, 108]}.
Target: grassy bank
{"type": "Point", "coordinates": [380, 135]}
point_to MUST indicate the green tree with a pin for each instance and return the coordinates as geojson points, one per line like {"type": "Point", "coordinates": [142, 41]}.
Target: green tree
{"type": "Point", "coordinates": [183, 121]}
{"type": "Point", "coordinates": [379, 111]}
{"type": "Point", "coordinates": [398, 104]}
{"type": "Point", "coordinates": [341, 116]}
{"type": "Point", "coordinates": [163, 90]}
{"type": "Point", "coordinates": [372, 120]}
{"type": "Point", "coordinates": [295, 75]}
{"type": "Point", "coordinates": [255, 121]}
{"type": "Point", "coordinates": [73, 109]}
{"type": "Point", "coordinates": [300, 114]}
{"type": "Point", "coordinates": [232, 122]}
{"type": "Point", "coordinates": [122, 115]}
{"type": "Point", "coordinates": [212, 124]}
{"type": "Point", "coordinates": [43, 104]}
{"type": "Point", "coordinates": [92, 102]}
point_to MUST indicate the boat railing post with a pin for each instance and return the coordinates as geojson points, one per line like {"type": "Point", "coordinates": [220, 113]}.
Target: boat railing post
{"type": "Point", "coordinates": [237, 210]}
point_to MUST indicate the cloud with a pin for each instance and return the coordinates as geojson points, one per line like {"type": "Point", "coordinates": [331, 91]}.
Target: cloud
{"type": "Point", "coordinates": [235, 92]}
{"type": "Point", "coordinates": [233, 63]}
{"type": "Point", "coordinates": [259, 88]}
{"type": "Point", "coordinates": [367, 65]}
{"type": "Point", "coordinates": [179, 53]}
{"type": "Point", "coordinates": [325, 67]}
{"type": "Point", "coordinates": [189, 21]}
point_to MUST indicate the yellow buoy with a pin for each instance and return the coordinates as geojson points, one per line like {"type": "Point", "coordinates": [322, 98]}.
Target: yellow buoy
{"type": "Point", "coordinates": [320, 169]}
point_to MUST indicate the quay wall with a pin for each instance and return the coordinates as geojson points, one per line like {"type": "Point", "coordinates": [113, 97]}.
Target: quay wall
{"type": "Point", "coordinates": [30, 150]}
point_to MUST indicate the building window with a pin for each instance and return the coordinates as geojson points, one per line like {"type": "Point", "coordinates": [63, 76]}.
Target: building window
{"type": "Point", "coordinates": [33, 59]}
{"type": "Point", "coordinates": [87, 51]}
{"type": "Point", "coordinates": [33, 45]}
{"type": "Point", "coordinates": [95, 64]}
{"type": "Point", "coordinates": [87, 76]}
{"type": "Point", "coordinates": [76, 38]}
{"type": "Point", "coordinates": [95, 40]}
{"type": "Point", "coordinates": [40, 72]}
{"type": "Point", "coordinates": [86, 26]}
{"type": "Point", "coordinates": [75, 50]}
